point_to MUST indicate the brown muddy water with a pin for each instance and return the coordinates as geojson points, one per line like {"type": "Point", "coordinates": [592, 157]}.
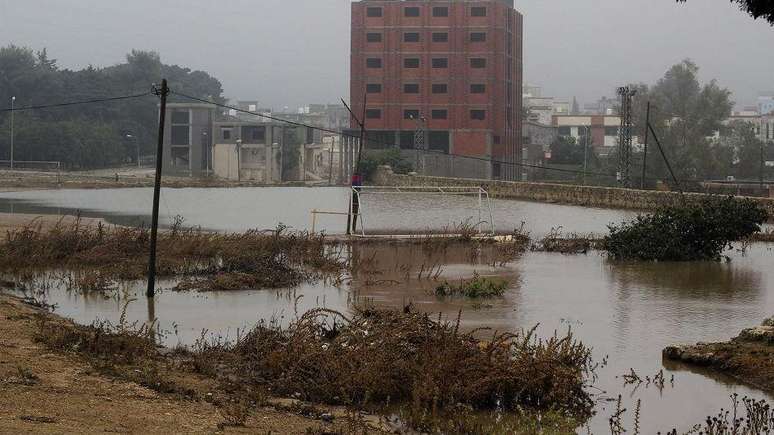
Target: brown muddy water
{"type": "Point", "coordinates": [628, 312]}
{"type": "Point", "coordinates": [241, 209]}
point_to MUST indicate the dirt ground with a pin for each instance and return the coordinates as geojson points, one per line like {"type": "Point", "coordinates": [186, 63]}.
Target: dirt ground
{"type": "Point", "coordinates": [45, 392]}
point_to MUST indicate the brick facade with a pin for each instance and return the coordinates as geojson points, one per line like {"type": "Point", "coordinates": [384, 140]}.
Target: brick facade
{"type": "Point", "coordinates": [457, 63]}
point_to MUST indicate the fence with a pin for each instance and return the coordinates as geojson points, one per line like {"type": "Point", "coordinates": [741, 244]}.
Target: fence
{"type": "Point", "coordinates": [30, 165]}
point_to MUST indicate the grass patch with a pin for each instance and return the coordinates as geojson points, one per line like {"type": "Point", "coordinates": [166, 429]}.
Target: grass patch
{"type": "Point", "coordinates": [475, 288]}
{"type": "Point", "coordinates": [697, 231]}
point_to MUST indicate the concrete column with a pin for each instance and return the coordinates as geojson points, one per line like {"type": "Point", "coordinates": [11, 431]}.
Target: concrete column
{"type": "Point", "coordinates": [342, 141]}
{"type": "Point", "coordinates": [267, 167]}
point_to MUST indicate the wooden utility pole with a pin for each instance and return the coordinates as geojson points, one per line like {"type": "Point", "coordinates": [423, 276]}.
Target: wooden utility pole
{"type": "Point", "coordinates": [763, 157]}
{"type": "Point", "coordinates": [356, 177]}
{"type": "Point", "coordinates": [645, 153]}
{"type": "Point", "coordinates": [666, 161]}
{"type": "Point", "coordinates": [161, 92]}
{"type": "Point", "coordinates": [330, 160]}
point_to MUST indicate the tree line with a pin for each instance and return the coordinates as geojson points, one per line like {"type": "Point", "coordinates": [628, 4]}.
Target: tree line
{"type": "Point", "coordinates": [691, 121]}
{"type": "Point", "coordinates": [91, 135]}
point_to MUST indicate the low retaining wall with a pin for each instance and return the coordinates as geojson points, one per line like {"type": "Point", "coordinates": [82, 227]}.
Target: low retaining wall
{"type": "Point", "coordinates": [587, 196]}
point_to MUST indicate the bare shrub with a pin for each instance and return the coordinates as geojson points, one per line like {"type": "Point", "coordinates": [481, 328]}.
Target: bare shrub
{"type": "Point", "coordinates": [254, 259]}
{"type": "Point", "coordinates": [380, 357]}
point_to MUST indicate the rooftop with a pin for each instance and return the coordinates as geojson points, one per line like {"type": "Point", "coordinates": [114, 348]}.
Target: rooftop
{"type": "Point", "coordinates": [506, 2]}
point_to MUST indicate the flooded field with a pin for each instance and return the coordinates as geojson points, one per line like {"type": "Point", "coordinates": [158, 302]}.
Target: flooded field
{"type": "Point", "coordinates": [261, 208]}
{"type": "Point", "coordinates": [628, 312]}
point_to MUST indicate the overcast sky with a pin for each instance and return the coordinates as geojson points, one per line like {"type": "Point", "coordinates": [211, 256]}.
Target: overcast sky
{"type": "Point", "coordinates": [295, 52]}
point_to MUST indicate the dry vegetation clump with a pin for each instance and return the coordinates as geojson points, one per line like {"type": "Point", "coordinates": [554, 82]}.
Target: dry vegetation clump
{"type": "Point", "coordinates": [102, 341]}
{"type": "Point", "coordinates": [405, 358]}
{"type": "Point", "coordinates": [255, 259]}
{"type": "Point", "coordinates": [745, 417]}
{"type": "Point", "coordinates": [573, 243]}
{"type": "Point", "coordinates": [477, 287]}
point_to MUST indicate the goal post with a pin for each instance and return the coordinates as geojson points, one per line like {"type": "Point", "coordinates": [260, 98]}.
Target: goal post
{"type": "Point", "coordinates": [482, 215]}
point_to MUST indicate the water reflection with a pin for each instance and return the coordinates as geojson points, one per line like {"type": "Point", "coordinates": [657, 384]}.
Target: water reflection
{"type": "Point", "coordinates": [628, 312]}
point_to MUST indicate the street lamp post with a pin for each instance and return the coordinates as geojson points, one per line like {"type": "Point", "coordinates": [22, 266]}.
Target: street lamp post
{"type": "Point", "coordinates": [137, 145]}
{"type": "Point", "coordinates": [13, 100]}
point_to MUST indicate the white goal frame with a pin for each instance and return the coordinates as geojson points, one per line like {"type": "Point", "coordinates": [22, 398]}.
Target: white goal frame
{"type": "Point", "coordinates": [480, 192]}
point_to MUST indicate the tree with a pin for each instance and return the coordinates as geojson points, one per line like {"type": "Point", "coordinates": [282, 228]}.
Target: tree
{"type": "Point", "coordinates": [685, 115]}
{"type": "Point", "coordinates": [91, 135]}
{"type": "Point", "coordinates": [566, 151]}
{"type": "Point", "coordinates": [746, 146]}
{"type": "Point", "coordinates": [756, 8]}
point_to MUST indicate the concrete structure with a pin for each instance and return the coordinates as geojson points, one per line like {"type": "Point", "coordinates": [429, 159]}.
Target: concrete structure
{"type": "Point", "coordinates": [540, 109]}
{"type": "Point", "coordinates": [200, 141]}
{"type": "Point", "coordinates": [450, 69]}
{"type": "Point", "coordinates": [766, 104]}
{"type": "Point", "coordinates": [603, 130]}
{"type": "Point", "coordinates": [187, 139]}
{"type": "Point", "coordinates": [328, 116]}
{"type": "Point", "coordinates": [762, 125]}
{"type": "Point", "coordinates": [588, 196]}
{"type": "Point", "coordinates": [603, 106]}
{"type": "Point", "coordinates": [267, 152]}
{"type": "Point", "coordinates": [537, 140]}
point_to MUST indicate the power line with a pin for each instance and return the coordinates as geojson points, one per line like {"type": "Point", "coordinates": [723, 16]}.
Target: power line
{"type": "Point", "coordinates": [385, 144]}
{"type": "Point", "coordinates": [75, 103]}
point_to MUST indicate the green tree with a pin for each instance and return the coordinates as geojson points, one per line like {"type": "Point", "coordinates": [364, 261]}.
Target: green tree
{"type": "Point", "coordinates": [565, 150]}
{"type": "Point", "coordinates": [740, 136]}
{"type": "Point", "coordinates": [756, 8]}
{"type": "Point", "coordinates": [685, 115]}
{"type": "Point", "coordinates": [91, 135]}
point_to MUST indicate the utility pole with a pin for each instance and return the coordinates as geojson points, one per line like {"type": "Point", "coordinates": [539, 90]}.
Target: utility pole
{"type": "Point", "coordinates": [645, 151]}
{"type": "Point", "coordinates": [13, 100]}
{"type": "Point", "coordinates": [330, 160]}
{"type": "Point", "coordinates": [419, 143]}
{"type": "Point", "coordinates": [356, 180]}
{"type": "Point", "coordinates": [161, 92]}
{"type": "Point", "coordinates": [666, 161]}
{"type": "Point", "coordinates": [763, 158]}
{"type": "Point", "coordinates": [586, 152]}
{"type": "Point", "coordinates": [625, 136]}
{"type": "Point", "coordinates": [137, 146]}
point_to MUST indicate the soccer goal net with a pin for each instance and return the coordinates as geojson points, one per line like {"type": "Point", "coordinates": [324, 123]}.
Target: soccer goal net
{"type": "Point", "coordinates": [420, 211]}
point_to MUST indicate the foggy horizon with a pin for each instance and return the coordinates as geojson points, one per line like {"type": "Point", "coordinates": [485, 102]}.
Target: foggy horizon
{"type": "Point", "coordinates": [296, 52]}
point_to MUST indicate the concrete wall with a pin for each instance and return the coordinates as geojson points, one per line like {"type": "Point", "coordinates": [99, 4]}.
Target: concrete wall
{"type": "Point", "coordinates": [225, 161]}
{"type": "Point", "coordinates": [588, 196]}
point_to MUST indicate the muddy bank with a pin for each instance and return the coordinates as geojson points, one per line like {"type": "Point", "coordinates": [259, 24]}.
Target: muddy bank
{"type": "Point", "coordinates": [62, 392]}
{"type": "Point", "coordinates": [749, 357]}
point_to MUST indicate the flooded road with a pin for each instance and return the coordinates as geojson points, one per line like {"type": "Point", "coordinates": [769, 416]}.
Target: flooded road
{"type": "Point", "coordinates": [628, 312]}
{"type": "Point", "coordinates": [240, 209]}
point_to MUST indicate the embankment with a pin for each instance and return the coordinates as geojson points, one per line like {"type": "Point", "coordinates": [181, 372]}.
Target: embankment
{"type": "Point", "coordinates": [748, 357]}
{"type": "Point", "coordinates": [586, 196]}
